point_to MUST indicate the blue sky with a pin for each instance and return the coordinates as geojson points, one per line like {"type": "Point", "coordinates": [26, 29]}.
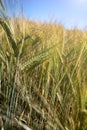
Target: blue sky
{"type": "Point", "coordinates": [69, 12]}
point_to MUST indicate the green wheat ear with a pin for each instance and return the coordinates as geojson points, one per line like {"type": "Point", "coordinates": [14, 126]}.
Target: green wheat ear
{"type": "Point", "coordinates": [7, 29]}
{"type": "Point", "coordinates": [10, 37]}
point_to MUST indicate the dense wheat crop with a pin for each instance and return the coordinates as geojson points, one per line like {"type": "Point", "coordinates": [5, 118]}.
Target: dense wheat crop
{"type": "Point", "coordinates": [43, 76]}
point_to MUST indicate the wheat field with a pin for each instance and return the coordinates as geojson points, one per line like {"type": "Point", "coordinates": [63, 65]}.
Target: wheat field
{"type": "Point", "coordinates": [43, 76]}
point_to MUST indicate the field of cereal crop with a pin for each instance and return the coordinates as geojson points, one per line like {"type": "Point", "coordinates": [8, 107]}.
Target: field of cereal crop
{"type": "Point", "coordinates": [43, 76]}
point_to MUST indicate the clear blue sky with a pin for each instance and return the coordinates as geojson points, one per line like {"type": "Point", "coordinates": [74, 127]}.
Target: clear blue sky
{"type": "Point", "coordinates": [68, 12]}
